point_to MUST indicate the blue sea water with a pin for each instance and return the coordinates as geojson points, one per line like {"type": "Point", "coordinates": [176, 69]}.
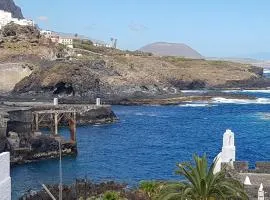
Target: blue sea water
{"type": "Point", "coordinates": [148, 141]}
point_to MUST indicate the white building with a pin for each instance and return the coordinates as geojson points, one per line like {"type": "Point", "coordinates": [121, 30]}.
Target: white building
{"type": "Point", "coordinates": [6, 17]}
{"type": "Point", "coordinates": [227, 155]}
{"type": "Point", "coordinates": [67, 41]}
{"type": "Point", "coordinates": [5, 180]}
{"type": "Point", "coordinates": [99, 43]}
{"type": "Point", "coordinates": [46, 33]}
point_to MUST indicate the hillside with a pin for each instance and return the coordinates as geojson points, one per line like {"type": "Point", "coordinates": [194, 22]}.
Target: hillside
{"type": "Point", "coordinates": [171, 49]}
{"type": "Point", "coordinates": [10, 6]}
{"type": "Point", "coordinates": [87, 72]}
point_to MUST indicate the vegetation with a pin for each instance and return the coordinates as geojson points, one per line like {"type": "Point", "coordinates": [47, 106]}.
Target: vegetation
{"type": "Point", "coordinates": [111, 195]}
{"type": "Point", "coordinates": [151, 188]}
{"type": "Point", "coordinates": [202, 184]}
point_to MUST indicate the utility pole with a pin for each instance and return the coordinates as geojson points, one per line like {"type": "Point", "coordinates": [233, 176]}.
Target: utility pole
{"type": "Point", "coordinates": [60, 171]}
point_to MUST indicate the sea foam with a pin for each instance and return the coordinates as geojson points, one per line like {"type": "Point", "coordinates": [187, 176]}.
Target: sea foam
{"type": "Point", "coordinates": [223, 100]}
{"type": "Point", "coordinates": [195, 105]}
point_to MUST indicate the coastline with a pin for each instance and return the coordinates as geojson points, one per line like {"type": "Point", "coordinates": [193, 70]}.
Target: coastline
{"type": "Point", "coordinates": [26, 143]}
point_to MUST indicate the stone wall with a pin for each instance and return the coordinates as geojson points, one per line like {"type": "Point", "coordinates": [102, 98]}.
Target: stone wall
{"type": "Point", "coordinates": [3, 124]}
{"type": "Point", "coordinates": [241, 166]}
{"type": "Point", "coordinates": [5, 180]}
{"type": "Point", "coordinates": [20, 121]}
{"type": "Point", "coordinates": [260, 167]}
{"type": "Point", "coordinates": [12, 73]}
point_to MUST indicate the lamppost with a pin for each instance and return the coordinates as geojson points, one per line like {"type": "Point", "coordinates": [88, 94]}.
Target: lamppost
{"type": "Point", "coordinates": [60, 171]}
{"type": "Point", "coordinates": [60, 174]}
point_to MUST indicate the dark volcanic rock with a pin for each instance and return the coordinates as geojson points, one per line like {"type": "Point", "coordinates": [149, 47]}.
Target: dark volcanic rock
{"type": "Point", "coordinates": [84, 189]}
{"type": "Point", "coordinates": [67, 79]}
{"type": "Point", "coordinates": [188, 85]}
{"type": "Point", "coordinates": [10, 6]}
{"type": "Point", "coordinates": [251, 83]}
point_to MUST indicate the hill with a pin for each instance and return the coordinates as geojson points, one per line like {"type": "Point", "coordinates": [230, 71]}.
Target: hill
{"type": "Point", "coordinates": [87, 71]}
{"type": "Point", "coordinates": [10, 6]}
{"type": "Point", "coordinates": [171, 49]}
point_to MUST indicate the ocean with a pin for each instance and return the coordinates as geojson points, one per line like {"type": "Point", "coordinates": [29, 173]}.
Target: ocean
{"type": "Point", "coordinates": [148, 142]}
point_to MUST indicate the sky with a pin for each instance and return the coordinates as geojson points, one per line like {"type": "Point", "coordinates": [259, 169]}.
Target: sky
{"type": "Point", "coordinates": [215, 28]}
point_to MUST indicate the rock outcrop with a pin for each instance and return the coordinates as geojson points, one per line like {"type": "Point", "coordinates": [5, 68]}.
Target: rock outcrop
{"type": "Point", "coordinates": [112, 74]}
{"type": "Point", "coordinates": [10, 6]}
{"type": "Point", "coordinates": [121, 77]}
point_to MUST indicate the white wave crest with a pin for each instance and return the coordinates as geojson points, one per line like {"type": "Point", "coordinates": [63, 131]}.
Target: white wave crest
{"type": "Point", "coordinates": [195, 105]}
{"type": "Point", "coordinates": [194, 91]}
{"type": "Point", "coordinates": [266, 71]}
{"type": "Point", "coordinates": [247, 91]}
{"type": "Point", "coordinates": [264, 116]}
{"type": "Point", "coordinates": [240, 101]}
{"type": "Point", "coordinates": [257, 91]}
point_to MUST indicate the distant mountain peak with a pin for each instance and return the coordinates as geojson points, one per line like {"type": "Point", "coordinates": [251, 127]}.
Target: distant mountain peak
{"type": "Point", "coordinates": [171, 49]}
{"type": "Point", "coordinates": [10, 6]}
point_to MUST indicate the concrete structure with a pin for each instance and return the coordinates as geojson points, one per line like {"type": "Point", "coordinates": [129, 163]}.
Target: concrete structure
{"type": "Point", "coordinates": [98, 101]}
{"type": "Point", "coordinates": [227, 155]}
{"type": "Point", "coordinates": [46, 33]}
{"type": "Point", "coordinates": [3, 124]}
{"type": "Point", "coordinates": [67, 41]}
{"type": "Point", "coordinates": [255, 180]}
{"type": "Point", "coordinates": [55, 101]}
{"type": "Point", "coordinates": [5, 180]}
{"type": "Point", "coordinates": [6, 17]}
{"type": "Point", "coordinates": [261, 193]}
{"type": "Point", "coordinates": [247, 181]}
{"type": "Point", "coordinates": [99, 43]}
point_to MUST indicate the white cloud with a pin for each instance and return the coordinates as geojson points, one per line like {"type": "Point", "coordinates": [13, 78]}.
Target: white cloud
{"type": "Point", "coordinates": [43, 18]}
{"type": "Point", "coordinates": [137, 27]}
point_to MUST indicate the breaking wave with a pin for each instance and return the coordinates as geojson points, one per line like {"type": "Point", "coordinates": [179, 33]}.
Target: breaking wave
{"type": "Point", "coordinates": [196, 105]}
{"type": "Point", "coordinates": [266, 71]}
{"type": "Point", "coordinates": [223, 100]}
{"type": "Point", "coordinates": [194, 91]}
{"type": "Point", "coordinates": [247, 91]}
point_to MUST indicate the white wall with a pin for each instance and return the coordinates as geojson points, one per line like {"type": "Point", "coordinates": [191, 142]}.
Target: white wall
{"type": "Point", "coordinates": [5, 180]}
{"type": "Point", "coordinates": [6, 17]}
{"type": "Point", "coordinates": [227, 155]}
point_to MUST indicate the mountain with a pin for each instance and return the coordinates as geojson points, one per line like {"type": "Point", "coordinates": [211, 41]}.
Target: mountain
{"type": "Point", "coordinates": [171, 49]}
{"type": "Point", "coordinates": [10, 6]}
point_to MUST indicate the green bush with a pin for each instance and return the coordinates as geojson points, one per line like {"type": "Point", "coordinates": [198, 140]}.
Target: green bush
{"type": "Point", "coordinates": [111, 195]}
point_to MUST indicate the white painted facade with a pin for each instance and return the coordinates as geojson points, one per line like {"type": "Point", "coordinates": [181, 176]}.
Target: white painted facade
{"type": "Point", "coordinates": [5, 180]}
{"type": "Point", "coordinates": [46, 33]}
{"type": "Point", "coordinates": [98, 43]}
{"type": "Point", "coordinates": [66, 41]}
{"type": "Point", "coordinates": [261, 193]}
{"type": "Point", "coordinates": [6, 17]}
{"type": "Point", "coordinates": [227, 155]}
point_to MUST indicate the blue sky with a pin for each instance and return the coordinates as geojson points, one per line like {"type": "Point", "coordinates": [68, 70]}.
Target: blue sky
{"type": "Point", "coordinates": [212, 27]}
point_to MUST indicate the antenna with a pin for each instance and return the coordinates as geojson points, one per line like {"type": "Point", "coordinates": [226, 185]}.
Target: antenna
{"type": "Point", "coordinates": [112, 42]}
{"type": "Point", "coordinates": [115, 43]}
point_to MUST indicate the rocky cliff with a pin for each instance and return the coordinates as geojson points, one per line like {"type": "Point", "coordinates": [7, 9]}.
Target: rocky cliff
{"type": "Point", "coordinates": [87, 72]}
{"type": "Point", "coordinates": [10, 6]}
{"type": "Point", "coordinates": [121, 77]}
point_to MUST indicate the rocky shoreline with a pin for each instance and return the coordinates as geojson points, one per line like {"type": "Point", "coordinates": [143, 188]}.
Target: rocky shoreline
{"type": "Point", "coordinates": [18, 135]}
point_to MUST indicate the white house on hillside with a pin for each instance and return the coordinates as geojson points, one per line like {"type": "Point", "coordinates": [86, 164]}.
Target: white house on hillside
{"type": "Point", "coordinates": [46, 33]}
{"type": "Point", "coordinates": [67, 41]}
{"type": "Point", "coordinates": [6, 17]}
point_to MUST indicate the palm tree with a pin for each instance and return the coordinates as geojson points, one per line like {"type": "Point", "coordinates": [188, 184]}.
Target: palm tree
{"type": "Point", "coordinates": [202, 184]}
